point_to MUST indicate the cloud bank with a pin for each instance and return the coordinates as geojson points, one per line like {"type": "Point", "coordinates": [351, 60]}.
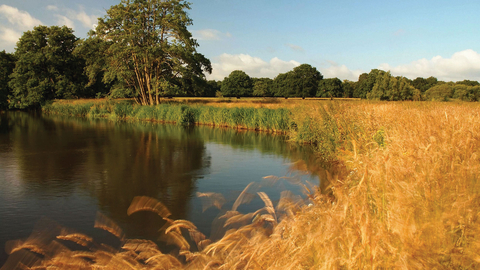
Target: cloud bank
{"type": "Point", "coordinates": [18, 18]}
{"type": "Point", "coordinates": [256, 67]}
{"type": "Point", "coordinates": [224, 64]}
{"type": "Point", "coordinates": [460, 66]}
{"type": "Point", "coordinates": [18, 21]}
{"type": "Point", "coordinates": [210, 34]}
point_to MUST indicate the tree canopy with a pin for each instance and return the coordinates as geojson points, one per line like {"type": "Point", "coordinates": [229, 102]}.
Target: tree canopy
{"type": "Point", "coordinates": [7, 64]}
{"type": "Point", "coordinates": [237, 84]}
{"type": "Point", "coordinates": [150, 47]}
{"type": "Point", "coordinates": [46, 67]}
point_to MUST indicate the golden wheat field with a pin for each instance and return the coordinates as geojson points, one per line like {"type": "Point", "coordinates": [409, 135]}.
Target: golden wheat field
{"type": "Point", "coordinates": [403, 193]}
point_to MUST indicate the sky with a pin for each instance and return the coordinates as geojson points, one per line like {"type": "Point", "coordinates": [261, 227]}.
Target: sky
{"type": "Point", "coordinates": [341, 38]}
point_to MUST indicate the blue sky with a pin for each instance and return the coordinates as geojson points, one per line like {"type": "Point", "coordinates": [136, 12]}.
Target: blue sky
{"type": "Point", "coordinates": [340, 38]}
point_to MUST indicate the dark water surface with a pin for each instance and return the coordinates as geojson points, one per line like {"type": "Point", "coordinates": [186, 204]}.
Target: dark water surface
{"type": "Point", "coordinates": [67, 169]}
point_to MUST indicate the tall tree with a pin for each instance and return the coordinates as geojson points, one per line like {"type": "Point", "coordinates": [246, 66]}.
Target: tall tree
{"type": "Point", "coordinates": [46, 67]}
{"type": "Point", "coordinates": [329, 88]}
{"type": "Point", "coordinates": [150, 46]}
{"type": "Point", "coordinates": [7, 64]}
{"type": "Point", "coordinates": [381, 86]}
{"type": "Point", "coordinates": [306, 79]}
{"type": "Point", "coordinates": [92, 51]}
{"type": "Point", "coordinates": [284, 85]}
{"type": "Point", "coordinates": [348, 88]}
{"type": "Point", "coordinates": [423, 84]}
{"type": "Point", "coordinates": [262, 87]}
{"type": "Point", "coordinates": [237, 84]}
{"type": "Point", "coordinates": [366, 82]}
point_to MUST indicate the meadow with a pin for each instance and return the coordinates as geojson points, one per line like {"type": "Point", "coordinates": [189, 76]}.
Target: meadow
{"type": "Point", "coordinates": [403, 191]}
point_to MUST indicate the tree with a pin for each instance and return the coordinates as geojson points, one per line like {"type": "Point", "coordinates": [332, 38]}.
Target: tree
{"type": "Point", "coordinates": [7, 64]}
{"type": "Point", "coordinates": [366, 82]}
{"type": "Point", "coordinates": [262, 87]}
{"type": "Point", "coordinates": [328, 88]}
{"type": "Point", "coordinates": [423, 84]}
{"type": "Point", "coordinates": [92, 51]}
{"type": "Point", "coordinates": [46, 67]}
{"type": "Point", "coordinates": [380, 88]}
{"type": "Point", "coordinates": [348, 88]}
{"type": "Point", "coordinates": [440, 92]}
{"type": "Point", "coordinates": [150, 47]}
{"type": "Point", "coordinates": [284, 85]}
{"type": "Point", "coordinates": [306, 79]}
{"type": "Point", "coordinates": [466, 91]}
{"type": "Point", "coordinates": [237, 84]}
{"type": "Point", "coordinates": [469, 83]}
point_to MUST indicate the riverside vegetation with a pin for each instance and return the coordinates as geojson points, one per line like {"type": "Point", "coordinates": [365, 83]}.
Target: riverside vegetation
{"type": "Point", "coordinates": [403, 193]}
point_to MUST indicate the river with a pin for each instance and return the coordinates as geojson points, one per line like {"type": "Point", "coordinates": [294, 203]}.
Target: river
{"type": "Point", "coordinates": [67, 169]}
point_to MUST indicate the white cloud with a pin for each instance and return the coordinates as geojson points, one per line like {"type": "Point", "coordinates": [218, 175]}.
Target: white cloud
{"type": "Point", "coordinates": [8, 38]}
{"type": "Point", "coordinates": [87, 20]}
{"type": "Point", "coordinates": [462, 65]}
{"type": "Point", "coordinates": [62, 20]}
{"type": "Point", "coordinates": [52, 7]}
{"type": "Point", "coordinates": [253, 66]}
{"type": "Point", "coordinates": [340, 71]}
{"type": "Point", "coordinates": [19, 18]}
{"type": "Point", "coordinates": [210, 34]}
{"type": "Point", "coordinates": [295, 47]}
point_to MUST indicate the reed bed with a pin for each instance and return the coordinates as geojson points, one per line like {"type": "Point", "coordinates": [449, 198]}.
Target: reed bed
{"type": "Point", "coordinates": [403, 194]}
{"type": "Point", "coordinates": [262, 119]}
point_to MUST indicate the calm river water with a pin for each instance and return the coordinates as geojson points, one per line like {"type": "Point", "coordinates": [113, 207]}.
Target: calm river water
{"type": "Point", "coordinates": [68, 169]}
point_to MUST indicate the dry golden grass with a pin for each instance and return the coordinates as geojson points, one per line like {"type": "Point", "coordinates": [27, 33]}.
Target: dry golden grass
{"type": "Point", "coordinates": [403, 194]}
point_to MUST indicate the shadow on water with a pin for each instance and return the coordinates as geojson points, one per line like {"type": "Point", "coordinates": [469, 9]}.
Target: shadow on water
{"type": "Point", "coordinates": [67, 169]}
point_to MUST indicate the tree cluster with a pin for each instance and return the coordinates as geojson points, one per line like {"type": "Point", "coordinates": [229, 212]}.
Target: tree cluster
{"type": "Point", "coordinates": [142, 49]}
{"type": "Point", "coordinates": [305, 81]}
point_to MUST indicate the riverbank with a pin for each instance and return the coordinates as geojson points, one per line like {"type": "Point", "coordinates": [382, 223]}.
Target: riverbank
{"type": "Point", "coordinates": [404, 193]}
{"type": "Point", "coordinates": [306, 122]}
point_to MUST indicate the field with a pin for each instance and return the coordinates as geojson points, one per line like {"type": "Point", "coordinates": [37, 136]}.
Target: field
{"type": "Point", "coordinates": [403, 193]}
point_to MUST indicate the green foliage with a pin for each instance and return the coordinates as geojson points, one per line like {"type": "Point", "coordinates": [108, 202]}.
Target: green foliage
{"type": "Point", "coordinates": [469, 83]}
{"type": "Point", "coordinates": [262, 87]}
{"type": "Point", "coordinates": [7, 64]}
{"type": "Point", "coordinates": [283, 85]}
{"type": "Point", "coordinates": [387, 87]}
{"type": "Point", "coordinates": [302, 81]}
{"type": "Point", "coordinates": [149, 47]}
{"type": "Point", "coordinates": [92, 51]}
{"type": "Point", "coordinates": [324, 133]}
{"type": "Point", "coordinates": [440, 92]}
{"type": "Point", "coordinates": [123, 109]}
{"type": "Point", "coordinates": [348, 89]}
{"type": "Point", "coordinates": [305, 80]}
{"type": "Point", "coordinates": [237, 84]}
{"type": "Point", "coordinates": [466, 92]}
{"type": "Point", "coordinates": [424, 84]}
{"type": "Point", "coordinates": [379, 137]}
{"type": "Point", "coordinates": [66, 109]}
{"type": "Point", "coordinates": [328, 88]}
{"type": "Point", "coordinates": [46, 67]}
{"type": "Point", "coordinates": [366, 83]}
{"type": "Point", "coordinates": [381, 86]}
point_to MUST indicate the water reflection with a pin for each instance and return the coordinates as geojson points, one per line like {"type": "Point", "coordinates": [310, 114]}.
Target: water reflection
{"type": "Point", "coordinates": [69, 168]}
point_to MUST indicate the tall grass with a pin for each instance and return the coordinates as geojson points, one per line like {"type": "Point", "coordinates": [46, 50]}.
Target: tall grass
{"type": "Point", "coordinates": [404, 193]}
{"type": "Point", "coordinates": [276, 120]}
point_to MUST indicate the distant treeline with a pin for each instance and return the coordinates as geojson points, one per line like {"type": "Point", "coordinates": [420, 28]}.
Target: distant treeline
{"type": "Point", "coordinates": [52, 63]}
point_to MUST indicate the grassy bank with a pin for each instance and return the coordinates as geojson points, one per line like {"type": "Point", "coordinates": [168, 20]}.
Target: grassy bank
{"type": "Point", "coordinates": [404, 193]}
{"type": "Point", "coordinates": [275, 120]}
{"type": "Point", "coordinates": [308, 122]}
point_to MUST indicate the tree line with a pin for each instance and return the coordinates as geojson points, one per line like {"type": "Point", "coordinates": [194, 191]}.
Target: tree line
{"type": "Point", "coordinates": [305, 81]}
{"type": "Point", "coordinates": [143, 50]}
